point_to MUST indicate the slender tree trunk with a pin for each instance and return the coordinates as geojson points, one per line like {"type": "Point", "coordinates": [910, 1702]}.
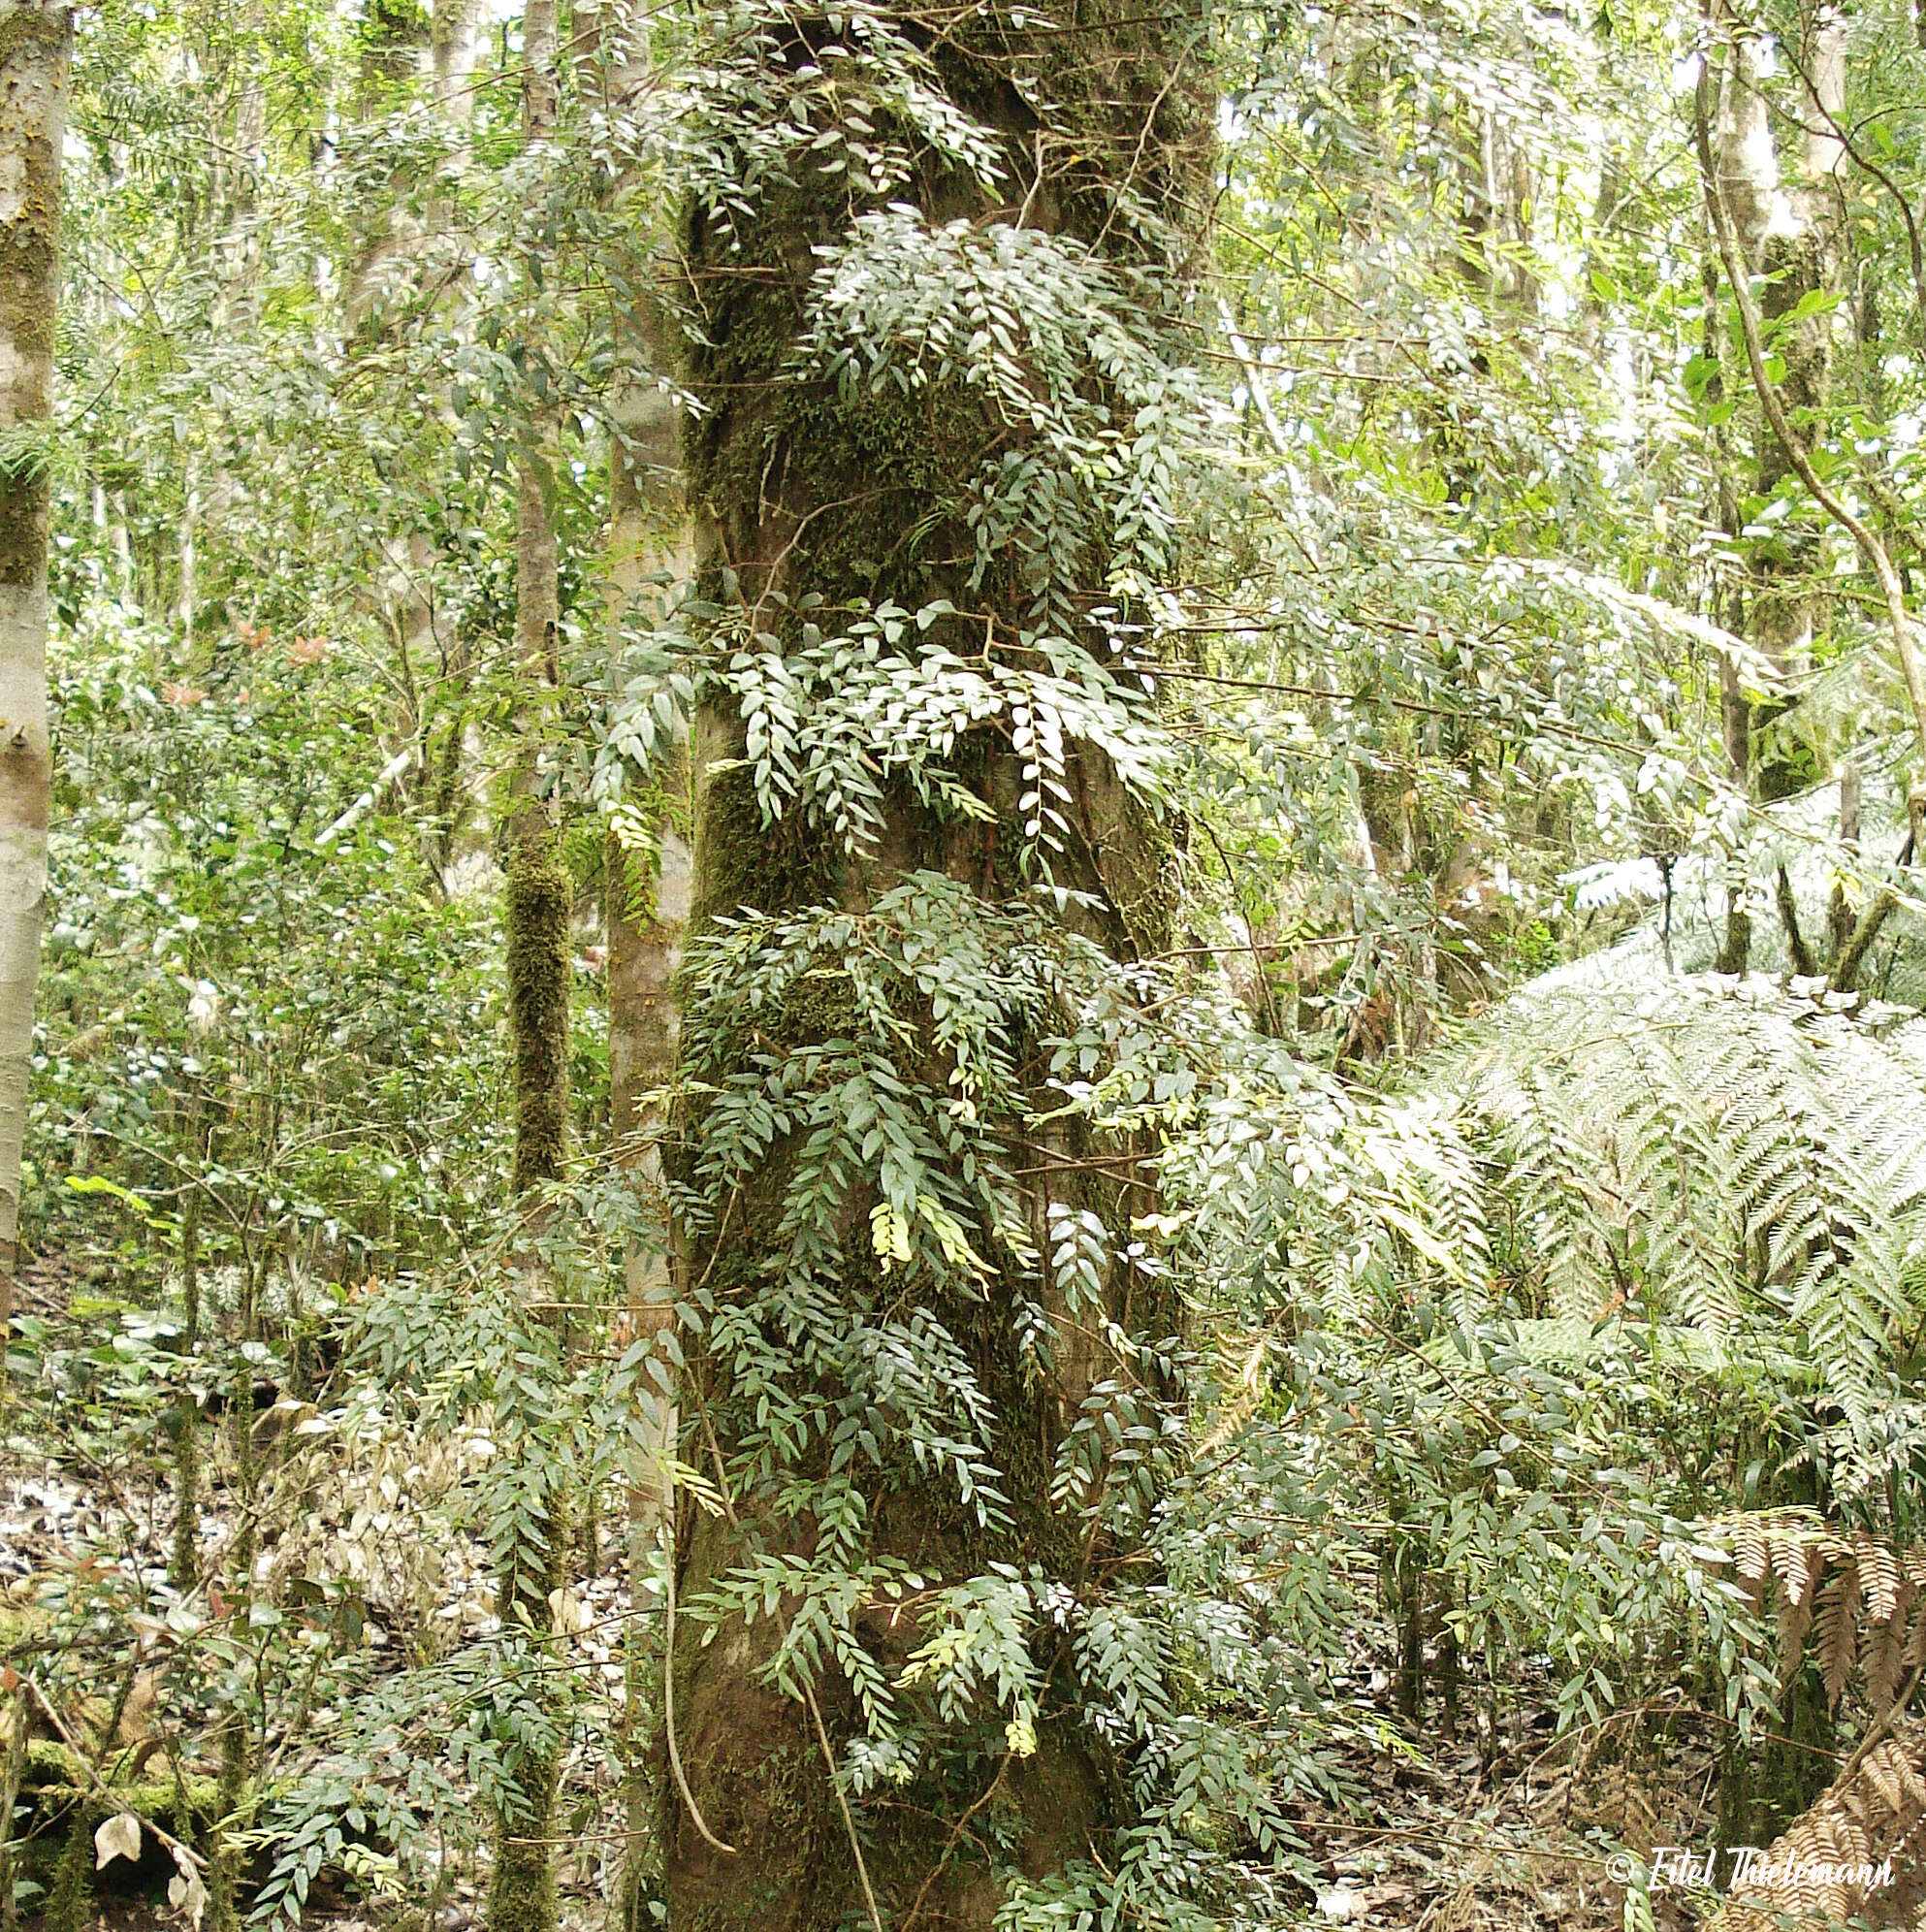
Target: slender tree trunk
{"type": "Point", "coordinates": [540, 898]}
{"type": "Point", "coordinates": [409, 594]}
{"type": "Point", "coordinates": [185, 1566]}
{"type": "Point", "coordinates": [250, 140]}
{"type": "Point", "coordinates": [233, 1785]}
{"type": "Point", "coordinates": [451, 48]}
{"type": "Point", "coordinates": [452, 58]}
{"type": "Point", "coordinates": [522, 1894]}
{"type": "Point", "coordinates": [36, 42]}
{"type": "Point", "coordinates": [645, 901]}
{"type": "Point", "coordinates": [648, 910]}
{"type": "Point", "coordinates": [1782, 235]}
{"type": "Point", "coordinates": [1840, 920]}
{"type": "Point", "coordinates": [393, 43]}
{"type": "Point", "coordinates": [651, 559]}
{"type": "Point", "coordinates": [1748, 181]}
{"type": "Point", "coordinates": [17, 1713]}
{"type": "Point", "coordinates": [538, 891]}
{"type": "Point", "coordinates": [1790, 236]}
{"type": "Point", "coordinates": [190, 517]}
{"type": "Point", "coordinates": [1801, 257]}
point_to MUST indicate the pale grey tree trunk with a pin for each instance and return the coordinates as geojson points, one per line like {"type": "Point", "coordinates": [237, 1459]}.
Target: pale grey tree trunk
{"type": "Point", "coordinates": [1789, 230]}
{"type": "Point", "coordinates": [648, 908]}
{"type": "Point", "coordinates": [36, 45]}
{"type": "Point", "coordinates": [452, 66]}
{"type": "Point", "coordinates": [452, 49]}
{"type": "Point", "coordinates": [1747, 161]}
{"type": "Point", "coordinates": [651, 556]}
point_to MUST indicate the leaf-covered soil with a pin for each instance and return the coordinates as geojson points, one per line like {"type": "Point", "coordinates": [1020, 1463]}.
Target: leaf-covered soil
{"type": "Point", "coordinates": [1447, 1836]}
{"type": "Point", "coordinates": [1488, 1819]}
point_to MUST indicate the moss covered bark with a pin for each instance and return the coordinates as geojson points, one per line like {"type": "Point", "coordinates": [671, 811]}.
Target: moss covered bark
{"type": "Point", "coordinates": [540, 896]}
{"type": "Point", "coordinates": [800, 488]}
{"type": "Point", "coordinates": [540, 901]}
{"type": "Point", "coordinates": [70, 1899]}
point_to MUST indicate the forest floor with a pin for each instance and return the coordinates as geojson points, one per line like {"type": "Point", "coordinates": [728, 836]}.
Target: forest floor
{"type": "Point", "coordinates": [1443, 1842]}
{"type": "Point", "coordinates": [1448, 1842]}
{"type": "Point", "coordinates": [1490, 1822]}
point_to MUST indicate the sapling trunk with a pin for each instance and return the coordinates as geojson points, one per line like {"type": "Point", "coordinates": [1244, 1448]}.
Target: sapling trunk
{"type": "Point", "coordinates": [647, 906]}
{"type": "Point", "coordinates": [36, 42]}
{"type": "Point", "coordinates": [522, 1894]}
{"type": "Point", "coordinates": [522, 1891]}
{"type": "Point", "coordinates": [187, 1416]}
{"type": "Point", "coordinates": [645, 945]}
{"type": "Point", "coordinates": [232, 1801]}
{"type": "Point", "coordinates": [14, 1765]}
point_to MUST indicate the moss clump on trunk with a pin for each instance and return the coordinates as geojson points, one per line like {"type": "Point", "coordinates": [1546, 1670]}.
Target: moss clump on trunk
{"type": "Point", "coordinates": [71, 1897]}
{"type": "Point", "coordinates": [521, 1890]}
{"type": "Point", "coordinates": [540, 902]}
{"type": "Point", "coordinates": [522, 1894]}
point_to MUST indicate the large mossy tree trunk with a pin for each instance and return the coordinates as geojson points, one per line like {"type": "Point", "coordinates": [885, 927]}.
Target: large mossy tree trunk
{"type": "Point", "coordinates": [805, 489]}
{"type": "Point", "coordinates": [36, 45]}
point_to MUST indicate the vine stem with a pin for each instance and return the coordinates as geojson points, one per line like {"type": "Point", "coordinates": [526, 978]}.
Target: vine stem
{"type": "Point", "coordinates": [668, 1686]}
{"type": "Point", "coordinates": [843, 1804]}
{"type": "Point", "coordinates": [956, 1838]}
{"type": "Point", "coordinates": [809, 1691]}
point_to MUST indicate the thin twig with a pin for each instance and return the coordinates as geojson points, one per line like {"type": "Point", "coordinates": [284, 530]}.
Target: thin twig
{"type": "Point", "coordinates": [668, 1691]}
{"type": "Point", "coordinates": [366, 801]}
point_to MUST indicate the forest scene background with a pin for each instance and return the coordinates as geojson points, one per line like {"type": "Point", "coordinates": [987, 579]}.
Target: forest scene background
{"type": "Point", "coordinates": [982, 977]}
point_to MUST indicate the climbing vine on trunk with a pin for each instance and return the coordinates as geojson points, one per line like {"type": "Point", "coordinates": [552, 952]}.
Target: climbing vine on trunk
{"type": "Point", "coordinates": [931, 293]}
